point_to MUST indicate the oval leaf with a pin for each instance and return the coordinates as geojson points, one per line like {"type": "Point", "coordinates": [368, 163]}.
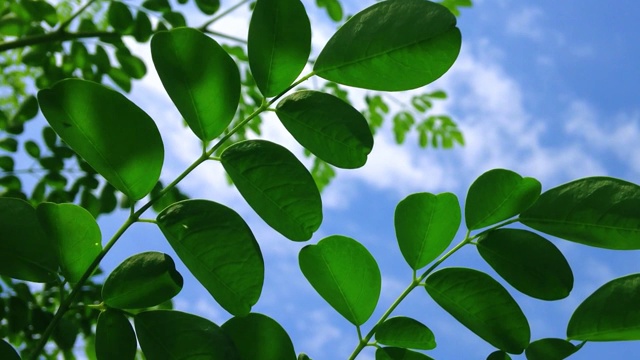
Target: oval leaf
{"type": "Point", "coordinates": [200, 77]}
{"type": "Point", "coordinates": [84, 116]}
{"type": "Point", "coordinates": [7, 352]}
{"type": "Point", "coordinates": [174, 335]}
{"type": "Point", "coordinates": [611, 313]}
{"type": "Point", "coordinates": [425, 226]}
{"type": "Point", "coordinates": [276, 185]}
{"type": "Point", "coordinates": [208, 7]}
{"type": "Point", "coordinates": [115, 338]}
{"type": "Point", "coordinates": [26, 253]}
{"type": "Point", "coordinates": [279, 44]}
{"type": "Point", "coordinates": [219, 249]}
{"type": "Point", "coordinates": [259, 337]}
{"type": "Point", "coordinates": [529, 262]}
{"type": "Point", "coordinates": [596, 211]}
{"type": "Point", "coordinates": [550, 349]}
{"type": "Point", "coordinates": [328, 127]}
{"type": "Point", "coordinates": [481, 304]}
{"type": "Point", "coordinates": [392, 46]}
{"type": "Point", "coordinates": [345, 274]}
{"type": "Point", "coordinates": [76, 235]}
{"type": "Point", "coordinates": [405, 332]}
{"type": "Point", "coordinates": [141, 281]}
{"type": "Point", "coordinates": [395, 353]}
{"type": "Point", "coordinates": [498, 195]}
{"type": "Point", "coordinates": [499, 355]}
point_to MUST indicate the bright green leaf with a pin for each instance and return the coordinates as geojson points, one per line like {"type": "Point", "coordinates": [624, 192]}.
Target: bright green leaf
{"type": "Point", "coordinates": [498, 195]}
{"type": "Point", "coordinates": [174, 335]}
{"type": "Point", "coordinates": [595, 211]}
{"type": "Point", "coordinates": [333, 8]}
{"type": "Point", "coordinates": [7, 352]}
{"type": "Point", "coordinates": [142, 280]}
{"type": "Point", "coordinates": [200, 77]}
{"type": "Point", "coordinates": [345, 274]}
{"type": "Point", "coordinates": [425, 226]}
{"type": "Point", "coordinates": [259, 337]}
{"type": "Point", "coordinates": [279, 44]}
{"type": "Point", "coordinates": [392, 46]}
{"type": "Point", "coordinates": [611, 313]}
{"type": "Point", "coordinates": [276, 185]}
{"type": "Point", "coordinates": [26, 252]}
{"type": "Point", "coordinates": [529, 262]}
{"type": "Point", "coordinates": [550, 349]}
{"type": "Point", "coordinates": [481, 304]}
{"type": "Point", "coordinates": [82, 113]}
{"type": "Point", "coordinates": [396, 353]}
{"type": "Point", "coordinates": [219, 249]}
{"type": "Point", "coordinates": [115, 338]}
{"type": "Point", "coordinates": [208, 7]}
{"type": "Point", "coordinates": [405, 332]}
{"type": "Point", "coordinates": [76, 235]}
{"type": "Point", "coordinates": [131, 65]}
{"type": "Point", "coordinates": [119, 16]}
{"type": "Point", "coordinates": [328, 127]}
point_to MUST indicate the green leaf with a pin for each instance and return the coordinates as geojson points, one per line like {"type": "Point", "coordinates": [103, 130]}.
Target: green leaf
{"type": "Point", "coordinates": [328, 127]}
{"type": "Point", "coordinates": [208, 7]}
{"type": "Point", "coordinates": [550, 349]}
{"type": "Point", "coordinates": [176, 19]}
{"type": "Point", "coordinates": [76, 235]}
{"type": "Point", "coordinates": [119, 16]}
{"type": "Point", "coordinates": [529, 262]}
{"type": "Point", "coordinates": [142, 280]}
{"type": "Point", "coordinates": [425, 226]}
{"type": "Point", "coordinates": [345, 274]}
{"type": "Point", "coordinates": [392, 46]}
{"type": "Point", "coordinates": [395, 353]}
{"type": "Point", "coordinates": [279, 44]}
{"type": "Point", "coordinates": [405, 332]}
{"type": "Point", "coordinates": [498, 195]}
{"type": "Point", "coordinates": [595, 211]}
{"type": "Point", "coordinates": [6, 163]}
{"type": "Point", "coordinates": [27, 111]}
{"type": "Point", "coordinates": [333, 8]}
{"type": "Point", "coordinates": [481, 304]}
{"type": "Point", "coordinates": [9, 144]}
{"type": "Point", "coordinates": [32, 148]}
{"type": "Point", "coordinates": [219, 249]}
{"type": "Point", "coordinates": [7, 352]}
{"type": "Point", "coordinates": [115, 338]}
{"type": "Point", "coordinates": [26, 252]}
{"type": "Point", "coordinates": [174, 335]}
{"type": "Point", "coordinates": [259, 337]}
{"type": "Point", "coordinates": [131, 65]}
{"type": "Point", "coordinates": [120, 78]}
{"type": "Point", "coordinates": [611, 313]}
{"type": "Point", "coordinates": [82, 113]}
{"type": "Point", "coordinates": [276, 185]}
{"type": "Point", "coordinates": [499, 355]}
{"type": "Point", "coordinates": [200, 77]}
{"type": "Point", "coordinates": [142, 29]}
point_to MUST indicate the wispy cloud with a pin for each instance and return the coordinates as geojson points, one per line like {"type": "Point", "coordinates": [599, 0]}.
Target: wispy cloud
{"type": "Point", "coordinates": [526, 22]}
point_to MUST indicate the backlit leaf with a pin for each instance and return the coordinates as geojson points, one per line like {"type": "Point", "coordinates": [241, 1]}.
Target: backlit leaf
{"type": "Point", "coordinates": [392, 46]}
{"type": "Point", "coordinates": [395, 353]}
{"type": "Point", "coordinates": [481, 304]}
{"type": "Point", "coordinates": [425, 226]}
{"type": "Point", "coordinates": [405, 332]}
{"type": "Point", "coordinates": [119, 16]}
{"type": "Point", "coordinates": [259, 337]}
{"type": "Point", "coordinates": [550, 349]}
{"type": "Point", "coordinates": [115, 338]}
{"type": "Point", "coordinates": [328, 127]}
{"type": "Point", "coordinates": [345, 274]}
{"type": "Point", "coordinates": [82, 113]}
{"type": "Point", "coordinates": [200, 77]}
{"type": "Point", "coordinates": [596, 211]}
{"type": "Point", "coordinates": [7, 352]}
{"type": "Point", "coordinates": [276, 185]}
{"type": "Point", "coordinates": [219, 249]}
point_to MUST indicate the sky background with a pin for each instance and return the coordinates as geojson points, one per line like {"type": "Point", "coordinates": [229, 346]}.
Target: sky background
{"type": "Point", "coordinates": [548, 89]}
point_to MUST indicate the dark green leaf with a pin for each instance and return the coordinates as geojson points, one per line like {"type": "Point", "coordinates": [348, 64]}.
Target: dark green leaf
{"type": "Point", "coordinates": [395, 353]}
{"type": "Point", "coordinates": [76, 235]}
{"type": "Point", "coordinates": [101, 59]}
{"type": "Point", "coordinates": [550, 349]}
{"type": "Point", "coordinates": [142, 28]}
{"type": "Point", "coordinates": [529, 262]}
{"type": "Point", "coordinates": [17, 314]}
{"type": "Point", "coordinates": [131, 65]}
{"type": "Point", "coordinates": [276, 185]}
{"type": "Point", "coordinates": [6, 163]}
{"type": "Point", "coordinates": [9, 144]}
{"type": "Point", "coordinates": [120, 78]}
{"type": "Point", "coordinates": [611, 313]}
{"type": "Point", "coordinates": [596, 211]}
{"type": "Point", "coordinates": [328, 127]}
{"type": "Point", "coordinates": [27, 111]}
{"type": "Point", "coordinates": [141, 281]}
{"type": "Point", "coordinates": [32, 149]}
{"type": "Point", "coordinates": [157, 5]}
{"type": "Point", "coordinates": [82, 113]}
{"type": "Point", "coordinates": [392, 46]}
{"type": "Point", "coordinates": [200, 77]}
{"type": "Point", "coordinates": [219, 249]}
{"type": "Point", "coordinates": [405, 332]}
{"type": "Point", "coordinates": [79, 55]}
{"type": "Point", "coordinates": [25, 251]}
{"type": "Point", "coordinates": [66, 333]}
{"type": "Point", "coordinates": [279, 44]}
{"type": "Point", "coordinates": [345, 274]}
{"type": "Point", "coordinates": [481, 304]}
{"type": "Point", "coordinates": [259, 337]}
{"type": "Point", "coordinates": [498, 195]}
{"type": "Point", "coordinates": [119, 16]}
{"type": "Point", "coordinates": [499, 355]}
{"type": "Point", "coordinates": [174, 335]}
{"type": "Point", "coordinates": [425, 226]}
{"type": "Point", "coordinates": [7, 352]}
{"type": "Point", "coordinates": [208, 7]}
{"type": "Point", "coordinates": [115, 338]}
{"type": "Point", "coordinates": [175, 19]}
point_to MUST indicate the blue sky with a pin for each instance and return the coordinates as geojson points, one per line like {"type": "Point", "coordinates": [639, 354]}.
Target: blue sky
{"type": "Point", "coordinates": [547, 89]}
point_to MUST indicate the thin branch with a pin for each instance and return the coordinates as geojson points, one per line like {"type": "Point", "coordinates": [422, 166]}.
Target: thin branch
{"type": "Point", "coordinates": [67, 22]}
{"type": "Point", "coordinates": [204, 26]}
{"type": "Point", "coordinates": [54, 37]}
{"type": "Point", "coordinates": [215, 33]}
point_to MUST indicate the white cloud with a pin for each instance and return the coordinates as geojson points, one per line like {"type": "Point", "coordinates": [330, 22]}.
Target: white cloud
{"type": "Point", "coordinates": [526, 23]}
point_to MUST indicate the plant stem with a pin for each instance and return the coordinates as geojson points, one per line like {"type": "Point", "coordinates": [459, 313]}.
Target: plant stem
{"type": "Point", "coordinates": [67, 22]}
{"type": "Point", "coordinates": [229, 37]}
{"type": "Point", "coordinates": [204, 26]}
{"type": "Point", "coordinates": [56, 36]}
